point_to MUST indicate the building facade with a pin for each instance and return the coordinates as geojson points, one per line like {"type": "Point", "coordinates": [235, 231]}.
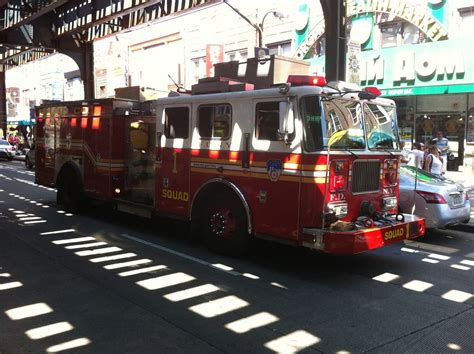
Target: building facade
{"type": "Point", "coordinates": [418, 52]}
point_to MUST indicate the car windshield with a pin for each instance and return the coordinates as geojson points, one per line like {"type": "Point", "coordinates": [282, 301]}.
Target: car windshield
{"type": "Point", "coordinates": [420, 174]}
{"type": "Point", "coordinates": [381, 126]}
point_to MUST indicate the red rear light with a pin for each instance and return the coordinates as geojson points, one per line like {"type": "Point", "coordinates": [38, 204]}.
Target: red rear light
{"type": "Point", "coordinates": [73, 122]}
{"type": "Point", "coordinates": [84, 122]}
{"type": "Point", "coordinates": [97, 111]}
{"type": "Point", "coordinates": [432, 198]}
{"type": "Point", "coordinates": [95, 123]}
{"type": "Point", "coordinates": [302, 80]}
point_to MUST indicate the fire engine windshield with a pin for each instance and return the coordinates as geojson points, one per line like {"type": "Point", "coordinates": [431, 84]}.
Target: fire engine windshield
{"type": "Point", "coordinates": [381, 126]}
{"type": "Point", "coordinates": [344, 128]}
{"type": "Point", "coordinates": [341, 128]}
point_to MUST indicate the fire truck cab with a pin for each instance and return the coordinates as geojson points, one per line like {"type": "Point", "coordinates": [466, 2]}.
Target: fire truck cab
{"type": "Point", "coordinates": [301, 162]}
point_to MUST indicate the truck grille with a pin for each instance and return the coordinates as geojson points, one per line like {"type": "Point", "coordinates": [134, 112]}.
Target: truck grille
{"type": "Point", "coordinates": [365, 176]}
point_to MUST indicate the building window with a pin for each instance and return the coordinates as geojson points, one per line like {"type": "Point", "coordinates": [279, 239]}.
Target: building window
{"type": "Point", "coordinates": [283, 48]}
{"type": "Point", "coordinates": [177, 123]}
{"type": "Point", "coordinates": [391, 34]}
{"type": "Point", "coordinates": [198, 68]}
{"type": "Point", "coordinates": [214, 121]}
{"type": "Point", "coordinates": [238, 55]}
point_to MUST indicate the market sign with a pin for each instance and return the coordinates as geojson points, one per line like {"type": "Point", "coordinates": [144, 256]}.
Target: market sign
{"type": "Point", "coordinates": [422, 69]}
{"type": "Point", "coordinates": [417, 15]}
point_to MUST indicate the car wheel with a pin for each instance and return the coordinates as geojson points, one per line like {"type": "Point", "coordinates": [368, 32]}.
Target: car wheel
{"type": "Point", "coordinates": [10, 158]}
{"type": "Point", "coordinates": [27, 162]}
{"type": "Point", "coordinates": [225, 225]}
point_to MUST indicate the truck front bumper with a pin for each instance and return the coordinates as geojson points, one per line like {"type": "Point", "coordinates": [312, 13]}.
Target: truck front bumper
{"type": "Point", "coordinates": [358, 241]}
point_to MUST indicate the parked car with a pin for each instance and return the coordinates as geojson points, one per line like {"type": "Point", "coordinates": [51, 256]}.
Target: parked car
{"type": "Point", "coordinates": [30, 157]}
{"type": "Point", "coordinates": [440, 201]}
{"type": "Point", "coordinates": [6, 150]}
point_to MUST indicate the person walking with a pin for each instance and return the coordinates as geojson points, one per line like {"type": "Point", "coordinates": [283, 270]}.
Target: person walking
{"type": "Point", "coordinates": [417, 155]}
{"type": "Point", "coordinates": [433, 162]}
{"type": "Point", "coordinates": [442, 144]}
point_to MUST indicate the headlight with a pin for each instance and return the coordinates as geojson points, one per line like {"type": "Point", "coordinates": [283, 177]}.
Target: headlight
{"type": "Point", "coordinates": [389, 203]}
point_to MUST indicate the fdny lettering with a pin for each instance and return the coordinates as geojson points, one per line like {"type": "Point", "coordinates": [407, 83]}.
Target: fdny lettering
{"type": "Point", "coordinates": [335, 197]}
{"type": "Point", "coordinates": [175, 195]}
{"type": "Point", "coordinates": [389, 191]}
{"type": "Point", "coordinates": [391, 234]}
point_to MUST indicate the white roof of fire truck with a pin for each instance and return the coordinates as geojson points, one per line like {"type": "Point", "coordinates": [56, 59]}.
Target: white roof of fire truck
{"type": "Point", "coordinates": [290, 88]}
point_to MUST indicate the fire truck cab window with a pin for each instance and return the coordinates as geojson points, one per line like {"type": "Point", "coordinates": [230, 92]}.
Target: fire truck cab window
{"type": "Point", "coordinates": [214, 121]}
{"type": "Point", "coordinates": [343, 124]}
{"type": "Point", "coordinates": [311, 116]}
{"type": "Point", "coordinates": [177, 123]}
{"type": "Point", "coordinates": [381, 126]}
{"type": "Point", "coordinates": [267, 120]}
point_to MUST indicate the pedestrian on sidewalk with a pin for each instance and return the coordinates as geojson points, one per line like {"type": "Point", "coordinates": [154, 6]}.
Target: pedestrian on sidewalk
{"type": "Point", "coordinates": [443, 145]}
{"type": "Point", "coordinates": [433, 162]}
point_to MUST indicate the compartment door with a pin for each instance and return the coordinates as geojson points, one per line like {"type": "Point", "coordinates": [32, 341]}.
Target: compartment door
{"type": "Point", "coordinates": [173, 160]}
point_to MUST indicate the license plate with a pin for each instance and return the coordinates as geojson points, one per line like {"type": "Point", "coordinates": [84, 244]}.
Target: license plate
{"type": "Point", "coordinates": [457, 199]}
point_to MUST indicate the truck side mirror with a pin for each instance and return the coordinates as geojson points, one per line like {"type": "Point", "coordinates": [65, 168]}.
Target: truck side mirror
{"type": "Point", "coordinates": [286, 130]}
{"type": "Point", "coordinates": [283, 119]}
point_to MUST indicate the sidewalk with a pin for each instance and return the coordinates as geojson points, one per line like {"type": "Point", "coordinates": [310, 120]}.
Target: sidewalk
{"type": "Point", "coordinates": [465, 178]}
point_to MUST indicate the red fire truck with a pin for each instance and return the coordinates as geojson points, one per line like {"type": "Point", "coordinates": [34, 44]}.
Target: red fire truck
{"type": "Point", "coordinates": [306, 163]}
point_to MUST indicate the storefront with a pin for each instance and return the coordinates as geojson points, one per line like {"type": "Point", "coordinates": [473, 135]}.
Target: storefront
{"type": "Point", "coordinates": [431, 84]}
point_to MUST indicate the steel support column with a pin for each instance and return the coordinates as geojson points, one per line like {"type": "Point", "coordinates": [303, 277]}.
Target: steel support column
{"type": "Point", "coordinates": [3, 102]}
{"type": "Point", "coordinates": [334, 19]}
{"type": "Point", "coordinates": [84, 59]}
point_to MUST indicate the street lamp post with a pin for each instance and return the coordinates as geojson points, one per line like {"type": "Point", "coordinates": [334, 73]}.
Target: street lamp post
{"type": "Point", "coordinates": [258, 26]}
{"type": "Point", "coordinates": [277, 14]}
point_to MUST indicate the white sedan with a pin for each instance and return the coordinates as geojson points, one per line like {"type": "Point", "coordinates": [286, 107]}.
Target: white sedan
{"type": "Point", "coordinates": [440, 201]}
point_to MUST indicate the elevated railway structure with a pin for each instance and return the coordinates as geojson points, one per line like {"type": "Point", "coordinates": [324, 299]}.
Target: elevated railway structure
{"type": "Point", "coordinates": [32, 29]}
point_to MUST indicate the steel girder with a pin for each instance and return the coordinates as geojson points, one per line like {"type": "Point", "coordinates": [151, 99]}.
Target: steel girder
{"type": "Point", "coordinates": [30, 29]}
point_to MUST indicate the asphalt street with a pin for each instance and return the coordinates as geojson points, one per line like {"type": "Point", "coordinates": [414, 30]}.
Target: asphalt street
{"type": "Point", "coordinates": [105, 282]}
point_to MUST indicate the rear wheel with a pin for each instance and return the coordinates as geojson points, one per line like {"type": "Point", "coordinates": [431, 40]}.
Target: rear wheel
{"type": "Point", "coordinates": [225, 226]}
{"type": "Point", "coordinates": [70, 191]}
{"type": "Point", "coordinates": [28, 163]}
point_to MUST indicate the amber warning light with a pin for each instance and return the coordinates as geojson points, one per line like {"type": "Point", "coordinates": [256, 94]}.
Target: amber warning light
{"type": "Point", "coordinates": [304, 80]}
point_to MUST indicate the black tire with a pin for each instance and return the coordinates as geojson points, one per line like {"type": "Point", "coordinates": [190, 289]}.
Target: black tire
{"type": "Point", "coordinates": [70, 191]}
{"type": "Point", "coordinates": [225, 224]}
{"type": "Point", "coordinates": [10, 158]}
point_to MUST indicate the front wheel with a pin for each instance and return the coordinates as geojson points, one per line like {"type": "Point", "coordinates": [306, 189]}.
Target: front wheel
{"type": "Point", "coordinates": [225, 226]}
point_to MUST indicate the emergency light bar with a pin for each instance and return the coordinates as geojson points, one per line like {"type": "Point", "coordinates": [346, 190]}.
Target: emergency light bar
{"type": "Point", "coordinates": [369, 93]}
{"type": "Point", "coordinates": [305, 80]}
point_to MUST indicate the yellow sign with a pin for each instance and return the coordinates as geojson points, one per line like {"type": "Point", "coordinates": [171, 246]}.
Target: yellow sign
{"type": "Point", "coordinates": [175, 195]}
{"type": "Point", "coordinates": [427, 126]}
{"type": "Point", "coordinates": [391, 234]}
{"type": "Point", "coordinates": [452, 125]}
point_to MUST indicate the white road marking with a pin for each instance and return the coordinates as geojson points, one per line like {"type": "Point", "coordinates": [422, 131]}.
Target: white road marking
{"type": "Point", "coordinates": [180, 254]}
